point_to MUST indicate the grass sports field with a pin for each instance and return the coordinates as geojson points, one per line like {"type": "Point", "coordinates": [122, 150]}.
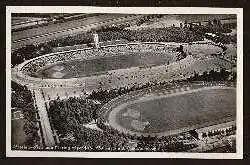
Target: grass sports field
{"type": "Point", "coordinates": [83, 68]}
{"type": "Point", "coordinates": [18, 135]}
{"type": "Point", "coordinates": [170, 112]}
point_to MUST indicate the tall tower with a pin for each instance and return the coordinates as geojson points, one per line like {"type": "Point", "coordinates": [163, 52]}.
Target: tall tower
{"type": "Point", "coordinates": [96, 40]}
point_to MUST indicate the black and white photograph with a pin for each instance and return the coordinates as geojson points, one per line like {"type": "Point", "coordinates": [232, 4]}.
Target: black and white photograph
{"type": "Point", "coordinates": [124, 82]}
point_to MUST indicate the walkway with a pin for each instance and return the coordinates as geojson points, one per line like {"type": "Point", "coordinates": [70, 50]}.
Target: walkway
{"type": "Point", "coordinates": [45, 124]}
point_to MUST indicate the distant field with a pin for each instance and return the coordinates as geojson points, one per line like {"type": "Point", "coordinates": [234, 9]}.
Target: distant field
{"type": "Point", "coordinates": [165, 115]}
{"type": "Point", "coordinates": [68, 28]}
{"type": "Point", "coordinates": [64, 25]}
{"type": "Point", "coordinates": [76, 68]}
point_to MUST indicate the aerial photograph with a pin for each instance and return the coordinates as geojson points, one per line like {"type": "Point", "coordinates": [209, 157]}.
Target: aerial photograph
{"type": "Point", "coordinates": [117, 82]}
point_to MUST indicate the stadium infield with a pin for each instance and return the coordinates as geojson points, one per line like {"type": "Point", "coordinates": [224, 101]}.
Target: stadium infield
{"type": "Point", "coordinates": [167, 112]}
{"type": "Point", "coordinates": [100, 65]}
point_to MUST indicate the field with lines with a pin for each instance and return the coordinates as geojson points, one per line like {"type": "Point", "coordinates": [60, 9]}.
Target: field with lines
{"type": "Point", "coordinates": [170, 112]}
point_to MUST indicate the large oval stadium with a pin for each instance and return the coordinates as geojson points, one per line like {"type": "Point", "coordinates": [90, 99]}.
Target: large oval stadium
{"type": "Point", "coordinates": [88, 67]}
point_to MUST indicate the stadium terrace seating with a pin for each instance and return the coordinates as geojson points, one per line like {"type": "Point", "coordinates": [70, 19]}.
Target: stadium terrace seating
{"type": "Point", "coordinates": [40, 62]}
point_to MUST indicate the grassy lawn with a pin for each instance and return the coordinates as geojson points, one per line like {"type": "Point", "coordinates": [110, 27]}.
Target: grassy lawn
{"type": "Point", "coordinates": [97, 66]}
{"type": "Point", "coordinates": [211, 106]}
{"type": "Point", "coordinates": [18, 135]}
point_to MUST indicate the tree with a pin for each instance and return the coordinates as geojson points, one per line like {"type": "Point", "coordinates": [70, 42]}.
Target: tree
{"type": "Point", "coordinates": [215, 22]}
{"type": "Point", "coordinates": [219, 23]}
{"type": "Point", "coordinates": [185, 23]}
{"type": "Point", "coordinates": [209, 23]}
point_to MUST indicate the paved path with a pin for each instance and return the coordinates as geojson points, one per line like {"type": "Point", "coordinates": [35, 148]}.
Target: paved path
{"type": "Point", "coordinates": [46, 128]}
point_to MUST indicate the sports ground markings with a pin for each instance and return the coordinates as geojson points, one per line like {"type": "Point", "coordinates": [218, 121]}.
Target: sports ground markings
{"type": "Point", "coordinates": [139, 125]}
{"type": "Point", "coordinates": [113, 113]}
{"type": "Point", "coordinates": [58, 68]}
{"type": "Point", "coordinates": [57, 74]}
{"type": "Point", "coordinates": [132, 113]}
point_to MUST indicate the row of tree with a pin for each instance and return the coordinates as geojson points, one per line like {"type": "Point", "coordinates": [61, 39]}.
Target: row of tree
{"type": "Point", "coordinates": [28, 52]}
{"type": "Point", "coordinates": [169, 34]}
{"type": "Point", "coordinates": [21, 98]}
{"type": "Point", "coordinates": [218, 30]}
{"type": "Point", "coordinates": [222, 75]}
{"type": "Point", "coordinates": [66, 115]}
